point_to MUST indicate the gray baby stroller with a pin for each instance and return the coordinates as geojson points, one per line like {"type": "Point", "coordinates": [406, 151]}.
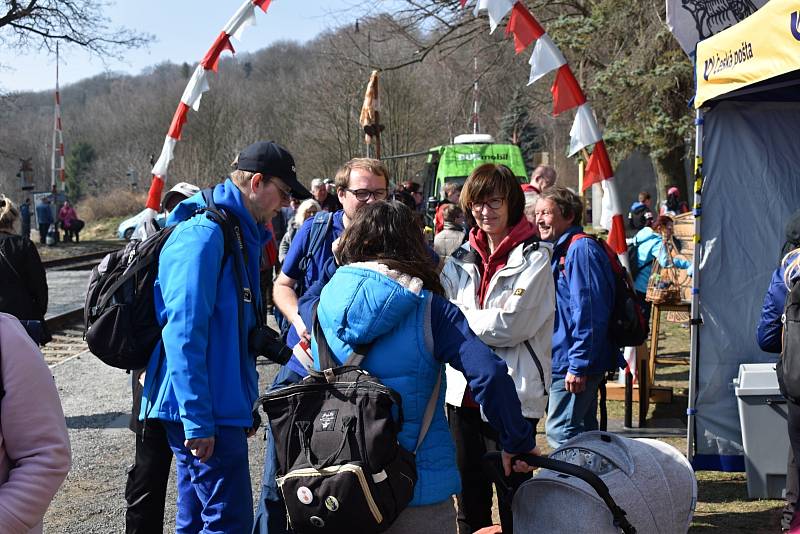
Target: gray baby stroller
{"type": "Point", "coordinates": [602, 483]}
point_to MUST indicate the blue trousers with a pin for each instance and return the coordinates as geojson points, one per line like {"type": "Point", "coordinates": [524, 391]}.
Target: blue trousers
{"type": "Point", "coordinates": [569, 414]}
{"type": "Point", "coordinates": [215, 496]}
{"type": "Point", "coordinates": [271, 514]}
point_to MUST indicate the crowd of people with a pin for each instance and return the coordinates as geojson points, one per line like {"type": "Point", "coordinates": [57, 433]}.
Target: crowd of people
{"type": "Point", "coordinates": [510, 301]}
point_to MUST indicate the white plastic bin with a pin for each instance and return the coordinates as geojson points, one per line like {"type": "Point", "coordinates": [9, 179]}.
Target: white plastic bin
{"type": "Point", "coordinates": [762, 415]}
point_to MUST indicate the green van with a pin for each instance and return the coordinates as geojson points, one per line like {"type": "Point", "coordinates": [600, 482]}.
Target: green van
{"type": "Point", "coordinates": [453, 163]}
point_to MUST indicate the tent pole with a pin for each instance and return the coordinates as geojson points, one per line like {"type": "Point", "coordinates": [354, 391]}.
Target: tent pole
{"type": "Point", "coordinates": [695, 322]}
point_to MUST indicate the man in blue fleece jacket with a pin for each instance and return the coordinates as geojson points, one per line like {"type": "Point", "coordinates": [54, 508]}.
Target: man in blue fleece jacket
{"type": "Point", "coordinates": [201, 381]}
{"type": "Point", "coordinates": [582, 350]}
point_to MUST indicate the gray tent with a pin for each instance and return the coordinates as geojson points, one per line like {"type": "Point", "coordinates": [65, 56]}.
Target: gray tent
{"type": "Point", "coordinates": [748, 111]}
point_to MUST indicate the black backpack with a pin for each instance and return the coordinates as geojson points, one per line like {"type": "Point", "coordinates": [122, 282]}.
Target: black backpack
{"type": "Point", "coordinates": [120, 325]}
{"type": "Point", "coordinates": [638, 218]}
{"type": "Point", "coordinates": [627, 326]}
{"type": "Point", "coordinates": [788, 367]}
{"type": "Point", "coordinates": [633, 259]}
{"type": "Point", "coordinates": [340, 467]}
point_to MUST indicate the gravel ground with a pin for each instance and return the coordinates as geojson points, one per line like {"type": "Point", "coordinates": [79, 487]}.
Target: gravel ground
{"type": "Point", "coordinates": [92, 499]}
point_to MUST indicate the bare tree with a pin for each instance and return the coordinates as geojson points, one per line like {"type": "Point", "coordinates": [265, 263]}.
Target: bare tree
{"type": "Point", "coordinates": [42, 23]}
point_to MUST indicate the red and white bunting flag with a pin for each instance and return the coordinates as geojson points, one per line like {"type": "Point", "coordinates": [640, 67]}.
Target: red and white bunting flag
{"type": "Point", "coordinates": [612, 216]}
{"type": "Point", "coordinates": [160, 168]}
{"type": "Point", "coordinates": [198, 84]}
{"type": "Point", "coordinates": [524, 26]}
{"type": "Point", "coordinates": [245, 17]}
{"type": "Point", "coordinates": [598, 168]}
{"type": "Point", "coordinates": [154, 196]}
{"type": "Point", "coordinates": [497, 10]}
{"type": "Point", "coordinates": [584, 130]}
{"type": "Point", "coordinates": [178, 120]}
{"type": "Point", "coordinates": [546, 58]}
{"type": "Point", "coordinates": [567, 94]}
{"type": "Point", "coordinates": [263, 4]}
{"type": "Point", "coordinates": [211, 59]}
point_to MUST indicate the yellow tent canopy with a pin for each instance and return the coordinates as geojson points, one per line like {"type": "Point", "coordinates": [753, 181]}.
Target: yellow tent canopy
{"type": "Point", "coordinates": [763, 46]}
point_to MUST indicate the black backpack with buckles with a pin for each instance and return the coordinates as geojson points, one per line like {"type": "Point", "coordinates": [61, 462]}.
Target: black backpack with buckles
{"type": "Point", "coordinates": [340, 466]}
{"type": "Point", "coordinates": [120, 325]}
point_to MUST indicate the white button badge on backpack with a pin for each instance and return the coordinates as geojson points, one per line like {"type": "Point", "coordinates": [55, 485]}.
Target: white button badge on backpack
{"type": "Point", "coordinates": [304, 495]}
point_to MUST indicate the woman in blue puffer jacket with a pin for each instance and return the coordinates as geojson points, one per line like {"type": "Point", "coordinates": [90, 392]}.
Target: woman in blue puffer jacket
{"type": "Point", "coordinates": [651, 247]}
{"type": "Point", "coordinates": [387, 292]}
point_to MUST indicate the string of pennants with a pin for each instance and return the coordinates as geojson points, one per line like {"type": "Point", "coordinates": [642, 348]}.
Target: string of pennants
{"type": "Point", "coordinates": [244, 17]}
{"type": "Point", "coordinates": [567, 95]}
{"type": "Point", "coordinates": [546, 57]}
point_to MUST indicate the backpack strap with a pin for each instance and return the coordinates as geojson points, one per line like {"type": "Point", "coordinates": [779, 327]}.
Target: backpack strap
{"type": "Point", "coordinates": [616, 265]}
{"type": "Point", "coordinates": [324, 352]}
{"type": "Point", "coordinates": [430, 410]}
{"type": "Point", "coordinates": [573, 239]}
{"type": "Point", "coordinates": [326, 361]}
{"type": "Point", "coordinates": [321, 225]}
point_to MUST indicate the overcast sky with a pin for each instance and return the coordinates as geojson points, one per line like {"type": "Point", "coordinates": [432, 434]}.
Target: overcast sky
{"type": "Point", "coordinates": [184, 30]}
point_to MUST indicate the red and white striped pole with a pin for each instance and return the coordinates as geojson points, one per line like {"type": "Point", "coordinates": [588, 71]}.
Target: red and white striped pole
{"type": "Point", "coordinates": [57, 155]}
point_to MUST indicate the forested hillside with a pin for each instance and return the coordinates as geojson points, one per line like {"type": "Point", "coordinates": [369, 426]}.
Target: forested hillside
{"type": "Point", "coordinates": [308, 97]}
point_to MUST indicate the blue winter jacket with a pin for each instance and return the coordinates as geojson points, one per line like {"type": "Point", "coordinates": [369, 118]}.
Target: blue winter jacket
{"type": "Point", "coordinates": [413, 335]}
{"type": "Point", "coordinates": [770, 326]}
{"type": "Point", "coordinates": [584, 300]}
{"type": "Point", "coordinates": [44, 215]}
{"type": "Point", "coordinates": [291, 267]}
{"type": "Point", "coordinates": [651, 246]}
{"type": "Point", "coordinates": [202, 374]}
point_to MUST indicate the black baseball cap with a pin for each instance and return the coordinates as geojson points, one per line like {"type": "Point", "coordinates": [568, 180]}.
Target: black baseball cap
{"type": "Point", "coordinates": [271, 159]}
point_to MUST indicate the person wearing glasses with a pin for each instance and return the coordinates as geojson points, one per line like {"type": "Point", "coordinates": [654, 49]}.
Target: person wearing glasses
{"type": "Point", "coordinates": [358, 182]}
{"type": "Point", "coordinates": [500, 279]}
{"type": "Point", "coordinates": [201, 381]}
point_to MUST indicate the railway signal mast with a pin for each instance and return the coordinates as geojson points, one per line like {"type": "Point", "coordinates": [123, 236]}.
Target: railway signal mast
{"type": "Point", "coordinates": [57, 154]}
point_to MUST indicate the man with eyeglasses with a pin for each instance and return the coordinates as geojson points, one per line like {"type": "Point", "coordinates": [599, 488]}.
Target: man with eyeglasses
{"type": "Point", "coordinates": [201, 381]}
{"type": "Point", "coordinates": [358, 182]}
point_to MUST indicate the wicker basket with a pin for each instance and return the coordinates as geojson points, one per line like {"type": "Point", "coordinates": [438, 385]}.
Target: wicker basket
{"type": "Point", "coordinates": [663, 295]}
{"type": "Point", "coordinates": [663, 286]}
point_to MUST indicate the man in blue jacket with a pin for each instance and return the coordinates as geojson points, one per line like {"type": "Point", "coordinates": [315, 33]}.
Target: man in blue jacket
{"type": "Point", "coordinates": [44, 218]}
{"type": "Point", "coordinates": [582, 350]}
{"type": "Point", "coordinates": [201, 382]}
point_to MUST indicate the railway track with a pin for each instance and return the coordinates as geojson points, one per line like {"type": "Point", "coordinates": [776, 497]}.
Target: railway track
{"type": "Point", "coordinates": [67, 332]}
{"type": "Point", "coordinates": [76, 263]}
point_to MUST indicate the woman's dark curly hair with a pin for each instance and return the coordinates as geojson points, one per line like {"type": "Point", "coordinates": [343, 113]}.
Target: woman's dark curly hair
{"type": "Point", "coordinates": [388, 232]}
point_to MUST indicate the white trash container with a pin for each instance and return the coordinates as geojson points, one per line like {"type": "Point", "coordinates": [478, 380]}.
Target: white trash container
{"type": "Point", "coordinates": [762, 415]}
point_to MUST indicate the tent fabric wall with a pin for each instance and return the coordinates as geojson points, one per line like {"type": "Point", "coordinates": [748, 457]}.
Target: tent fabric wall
{"type": "Point", "coordinates": [752, 186]}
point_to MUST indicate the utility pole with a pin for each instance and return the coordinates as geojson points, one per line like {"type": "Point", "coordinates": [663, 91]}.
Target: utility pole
{"type": "Point", "coordinates": [476, 105]}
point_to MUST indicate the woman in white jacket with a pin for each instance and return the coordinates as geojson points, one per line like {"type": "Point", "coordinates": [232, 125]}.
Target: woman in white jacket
{"type": "Point", "coordinates": [501, 279]}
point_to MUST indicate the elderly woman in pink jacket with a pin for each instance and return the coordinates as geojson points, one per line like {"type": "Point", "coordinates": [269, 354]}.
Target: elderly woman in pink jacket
{"type": "Point", "coordinates": [34, 444]}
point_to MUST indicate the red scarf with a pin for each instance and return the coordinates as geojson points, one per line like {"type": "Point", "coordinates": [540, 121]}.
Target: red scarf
{"type": "Point", "coordinates": [493, 262]}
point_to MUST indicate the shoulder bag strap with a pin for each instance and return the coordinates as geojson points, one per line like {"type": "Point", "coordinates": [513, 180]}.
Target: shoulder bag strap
{"type": "Point", "coordinates": [11, 266]}
{"type": "Point", "coordinates": [324, 352]}
{"type": "Point", "coordinates": [430, 409]}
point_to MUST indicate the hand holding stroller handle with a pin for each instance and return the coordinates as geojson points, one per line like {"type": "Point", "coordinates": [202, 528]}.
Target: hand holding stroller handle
{"type": "Point", "coordinates": [493, 467]}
